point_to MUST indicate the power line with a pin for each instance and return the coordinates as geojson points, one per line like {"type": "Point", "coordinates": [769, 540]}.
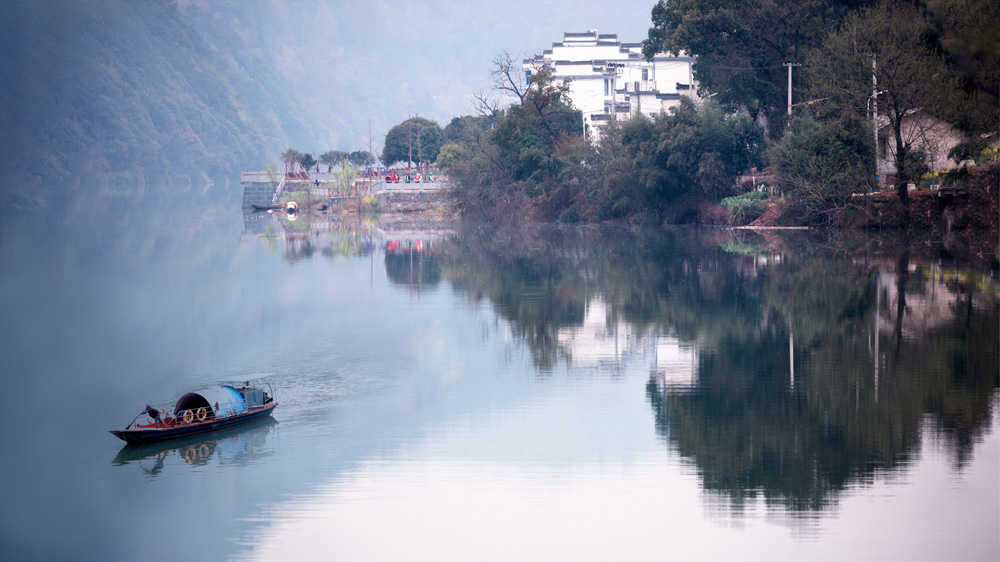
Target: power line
{"type": "Point", "coordinates": [810, 102]}
{"type": "Point", "coordinates": [723, 67]}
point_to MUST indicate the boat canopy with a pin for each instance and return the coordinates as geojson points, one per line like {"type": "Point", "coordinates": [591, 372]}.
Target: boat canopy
{"type": "Point", "coordinates": [225, 401]}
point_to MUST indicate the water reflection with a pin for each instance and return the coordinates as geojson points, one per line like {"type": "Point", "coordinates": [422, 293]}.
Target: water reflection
{"type": "Point", "coordinates": [781, 372]}
{"type": "Point", "coordinates": [409, 249]}
{"type": "Point", "coordinates": [239, 445]}
{"type": "Point", "coordinates": [639, 386]}
{"type": "Point", "coordinates": [308, 235]}
{"type": "Point", "coordinates": [412, 262]}
{"type": "Point", "coordinates": [786, 370]}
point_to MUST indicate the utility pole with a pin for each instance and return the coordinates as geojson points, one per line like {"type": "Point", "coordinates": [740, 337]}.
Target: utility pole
{"type": "Point", "coordinates": [790, 65]}
{"type": "Point", "coordinates": [875, 117]}
{"type": "Point", "coordinates": [409, 140]}
{"type": "Point", "coordinates": [614, 96]}
{"type": "Point", "coordinates": [690, 77]}
{"type": "Point", "coordinates": [611, 70]}
{"type": "Point", "coordinates": [871, 106]}
{"type": "Point", "coordinates": [614, 91]}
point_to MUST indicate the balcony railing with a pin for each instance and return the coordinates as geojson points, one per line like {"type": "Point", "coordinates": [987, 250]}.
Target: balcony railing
{"type": "Point", "coordinates": [641, 86]}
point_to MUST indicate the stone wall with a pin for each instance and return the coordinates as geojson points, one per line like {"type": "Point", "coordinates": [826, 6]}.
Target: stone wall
{"type": "Point", "coordinates": [257, 193]}
{"type": "Point", "coordinates": [414, 200]}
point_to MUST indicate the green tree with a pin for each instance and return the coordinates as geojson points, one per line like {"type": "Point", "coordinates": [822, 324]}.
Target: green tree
{"type": "Point", "coordinates": [516, 168]}
{"type": "Point", "coordinates": [459, 129]}
{"type": "Point", "coordinates": [343, 180]}
{"type": "Point", "coordinates": [332, 158]}
{"type": "Point", "coordinates": [692, 150]}
{"type": "Point", "coordinates": [431, 140]}
{"type": "Point", "coordinates": [967, 33]}
{"type": "Point", "coordinates": [741, 45]}
{"type": "Point", "coordinates": [361, 158]}
{"type": "Point", "coordinates": [272, 173]}
{"type": "Point", "coordinates": [820, 164]}
{"type": "Point", "coordinates": [403, 141]}
{"type": "Point", "coordinates": [912, 79]}
{"type": "Point", "coordinates": [449, 155]}
{"type": "Point", "coordinates": [291, 157]}
{"type": "Point", "coordinates": [307, 161]}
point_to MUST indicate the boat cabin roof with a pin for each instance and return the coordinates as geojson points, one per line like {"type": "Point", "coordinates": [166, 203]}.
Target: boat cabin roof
{"type": "Point", "coordinates": [223, 400]}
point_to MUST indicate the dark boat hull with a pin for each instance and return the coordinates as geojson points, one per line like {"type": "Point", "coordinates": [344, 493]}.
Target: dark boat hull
{"type": "Point", "coordinates": [142, 436]}
{"type": "Point", "coordinates": [137, 452]}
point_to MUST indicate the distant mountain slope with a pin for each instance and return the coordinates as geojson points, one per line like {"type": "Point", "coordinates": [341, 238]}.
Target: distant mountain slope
{"type": "Point", "coordinates": [132, 88]}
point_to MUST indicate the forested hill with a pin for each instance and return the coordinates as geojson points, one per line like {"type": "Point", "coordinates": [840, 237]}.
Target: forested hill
{"type": "Point", "coordinates": [128, 89]}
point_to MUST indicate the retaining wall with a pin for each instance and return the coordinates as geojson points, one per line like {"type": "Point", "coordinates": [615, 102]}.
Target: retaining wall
{"type": "Point", "coordinates": [257, 193]}
{"type": "Point", "coordinates": [413, 200]}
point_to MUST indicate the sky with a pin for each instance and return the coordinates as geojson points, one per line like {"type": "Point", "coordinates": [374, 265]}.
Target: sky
{"type": "Point", "coordinates": [384, 61]}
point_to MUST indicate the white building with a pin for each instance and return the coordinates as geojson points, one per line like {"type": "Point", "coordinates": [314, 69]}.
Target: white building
{"type": "Point", "coordinates": [926, 133]}
{"type": "Point", "coordinates": [610, 79]}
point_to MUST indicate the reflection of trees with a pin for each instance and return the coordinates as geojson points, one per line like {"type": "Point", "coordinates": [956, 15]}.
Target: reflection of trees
{"type": "Point", "coordinates": [347, 240]}
{"type": "Point", "coordinates": [750, 427]}
{"type": "Point", "coordinates": [855, 400]}
{"type": "Point", "coordinates": [299, 246]}
{"type": "Point", "coordinates": [531, 283]}
{"type": "Point", "coordinates": [331, 239]}
{"type": "Point", "coordinates": [415, 269]}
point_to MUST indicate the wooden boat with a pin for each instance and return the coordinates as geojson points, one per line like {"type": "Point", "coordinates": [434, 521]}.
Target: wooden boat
{"type": "Point", "coordinates": [290, 207]}
{"type": "Point", "coordinates": [200, 411]}
{"type": "Point", "coordinates": [231, 442]}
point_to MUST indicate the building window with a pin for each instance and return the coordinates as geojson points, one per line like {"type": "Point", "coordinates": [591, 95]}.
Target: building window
{"type": "Point", "coordinates": [607, 87]}
{"type": "Point", "coordinates": [527, 77]}
{"type": "Point", "coordinates": [645, 74]}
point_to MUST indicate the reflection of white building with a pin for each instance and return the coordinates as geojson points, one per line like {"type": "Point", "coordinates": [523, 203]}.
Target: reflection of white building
{"type": "Point", "coordinates": [676, 363]}
{"type": "Point", "coordinates": [610, 79]}
{"type": "Point", "coordinates": [602, 341]}
{"type": "Point", "coordinates": [932, 298]}
{"type": "Point", "coordinates": [605, 341]}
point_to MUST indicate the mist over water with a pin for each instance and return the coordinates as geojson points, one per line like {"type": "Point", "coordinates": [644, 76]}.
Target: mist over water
{"type": "Point", "coordinates": [550, 393]}
{"type": "Point", "coordinates": [447, 391]}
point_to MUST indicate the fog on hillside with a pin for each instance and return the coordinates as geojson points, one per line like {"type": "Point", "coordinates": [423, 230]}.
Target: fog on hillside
{"type": "Point", "coordinates": [128, 90]}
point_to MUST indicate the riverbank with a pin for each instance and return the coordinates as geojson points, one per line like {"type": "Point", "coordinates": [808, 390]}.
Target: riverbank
{"type": "Point", "coordinates": [966, 224]}
{"type": "Point", "coordinates": [965, 227]}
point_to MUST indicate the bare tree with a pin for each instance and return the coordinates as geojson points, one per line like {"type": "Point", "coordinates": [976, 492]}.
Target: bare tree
{"type": "Point", "coordinates": [510, 80]}
{"type": "Point", "coordinates": [486, 104]}
{"type": "Point", "coordinates": [508, 76]}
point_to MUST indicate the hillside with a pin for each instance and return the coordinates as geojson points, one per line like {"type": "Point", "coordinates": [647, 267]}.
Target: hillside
{"type": "Point", "coordinates": [126, 90]}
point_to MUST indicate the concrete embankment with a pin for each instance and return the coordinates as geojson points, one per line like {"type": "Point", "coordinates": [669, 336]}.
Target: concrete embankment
{"type": "Point", "coordinates": [415, 200]}
{"type": "Point", "coordinates": [259, 189]}
{"type": "Point", "coordinates": [257, 193]}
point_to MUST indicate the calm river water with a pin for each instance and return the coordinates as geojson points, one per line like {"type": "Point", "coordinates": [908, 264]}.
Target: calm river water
{"type": "Point", "coordinates": [448, 393]}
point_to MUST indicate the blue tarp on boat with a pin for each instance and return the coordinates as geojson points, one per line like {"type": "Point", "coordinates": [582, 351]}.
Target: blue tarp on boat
{"type": "Point", "coordinates": [225, 401]}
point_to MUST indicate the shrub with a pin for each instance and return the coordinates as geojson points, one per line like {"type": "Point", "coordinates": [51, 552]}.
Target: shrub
{"type": "Point", "coordinates": [819, 165]}
{"type": "Point", "coordinates": [371, 202]}
{"type": "Point", "coordinates": [746, 207]}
